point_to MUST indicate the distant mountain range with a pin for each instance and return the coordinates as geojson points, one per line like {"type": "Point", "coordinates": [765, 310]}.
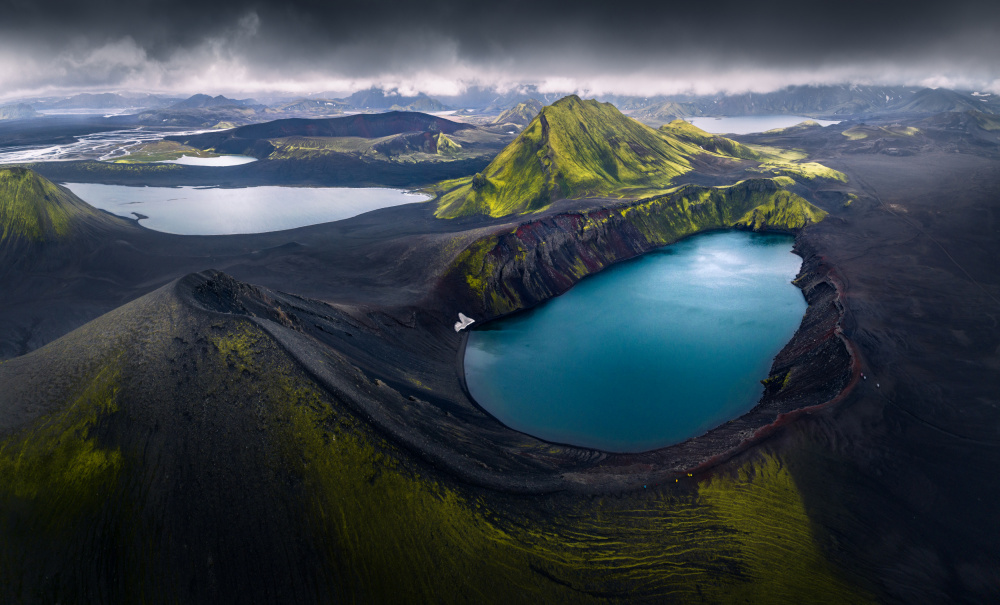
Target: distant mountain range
{"type": "Point", "coordinates": [104, 101]}
{"type": "Point", "coordinates": [375, 98]}
{"type": "Point", "coordinates": [518, 106]}
{"type": "Point", "coordinates": [820, 101]}
{"type": "Point", "coordinates": [200, 101]}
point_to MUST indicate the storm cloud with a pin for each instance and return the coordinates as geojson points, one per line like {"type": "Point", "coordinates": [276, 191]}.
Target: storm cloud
{"type": "Point", "coordinates": [441, 47]}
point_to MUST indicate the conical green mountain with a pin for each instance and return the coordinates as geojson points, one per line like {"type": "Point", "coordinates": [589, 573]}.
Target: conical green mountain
{"type": "Point", "coordinates": [33, 209]}
{"type": "Point", "coordinates": [572, 149]}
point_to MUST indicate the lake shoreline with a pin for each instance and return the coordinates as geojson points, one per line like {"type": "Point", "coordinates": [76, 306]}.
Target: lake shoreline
{"type": "Point", "coordinates": [209, 211]}
{"type": "Point", "coordinates": [773, 410]}
{"type": "Point", "coordinates": [648, 310]}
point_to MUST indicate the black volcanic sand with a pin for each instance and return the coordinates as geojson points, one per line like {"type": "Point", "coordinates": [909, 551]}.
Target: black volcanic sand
{"type": "Point", "coordinates": [894, 469]}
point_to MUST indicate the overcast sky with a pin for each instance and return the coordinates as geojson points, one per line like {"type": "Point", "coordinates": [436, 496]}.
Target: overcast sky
{"type": "Point", "coordinates": [439, 47]}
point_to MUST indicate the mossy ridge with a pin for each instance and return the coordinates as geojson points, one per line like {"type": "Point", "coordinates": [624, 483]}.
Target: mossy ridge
{"type": "Point", "coordinates": [805, 125]}
{"type": "Point", "coordinates": [783, 208]}
{"type": "Point", "coordinates": [779, 153]}
{"type": "Point", "coordinates": [386, 522]}
{"type": "Point", "coordinates": [712, 143]}
{"type": "Point", "coordinates": [572, 149]}
{"type": "Point", "coordinates": [31, 207]}
{"type": "Point", "coordinates": [771, 160]}
{"type": "Point", "coordinates": [56, 477]}
{"type": "Point", "coordinates": [578, 149]}
{"type": "Point", "coordinates": [757, 204]}
{"type": "Point", "coordinates": [863, 131]}
{"type": "Point", "coordinates": [807, 171]}
{"type": "Point", "coordinates": [775, 537]}
{"type": "Point", "coordinates": [445, 146]}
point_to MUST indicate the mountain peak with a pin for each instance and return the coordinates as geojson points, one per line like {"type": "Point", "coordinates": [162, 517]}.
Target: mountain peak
{"type": "Point", "coordinates": [574, 148]}
{"type": "Point", "coordinates": [33, 209]}
{"type": "Point", "coordinates": [199, 101]}
{"type": "Point", "coordinates": [521, 114]}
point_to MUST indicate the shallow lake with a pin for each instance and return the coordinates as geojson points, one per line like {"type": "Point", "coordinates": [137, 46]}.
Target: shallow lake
{"type": "Point", "coordinates": [214, 211]}
{"type": "Point", "coordinates": [222, 160]}
{"type": "Point", "coordinates": [647, 353]}
{"type": "Point", "coordinates": [749, 124]}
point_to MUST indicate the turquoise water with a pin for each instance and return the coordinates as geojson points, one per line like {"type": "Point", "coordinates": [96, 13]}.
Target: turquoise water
{"type": "Point", "coordinates": [647, 353]}
{"type": "Point", "coordinates": [214, 211]}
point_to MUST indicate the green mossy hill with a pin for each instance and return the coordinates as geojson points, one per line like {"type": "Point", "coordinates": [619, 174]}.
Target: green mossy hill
{"type": "Point", "coordinates": [521, 114]}
{"type": "Point", "coordinates": [864, 131]}
{"type": "Point", "coordinates": [806, 125]}
{"type": "Point", "coordinates": [446, 146]}
{"type": "Point", "coordinates": [34, 209]}
{"type": "Point", "coordinates": [580, 149]}
{"type": "Point", "coordinates": [511, 270]}
{"type": "Point", "coordinates": [772, 160]}
{"type": "Point", "coordinates": [713, 143]}
{"type": "Point", "coordinates": [572, 149]}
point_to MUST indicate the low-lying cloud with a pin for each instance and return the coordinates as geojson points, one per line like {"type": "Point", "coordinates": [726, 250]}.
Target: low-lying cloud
{"type": "Point", "coordinates": [442, 47]}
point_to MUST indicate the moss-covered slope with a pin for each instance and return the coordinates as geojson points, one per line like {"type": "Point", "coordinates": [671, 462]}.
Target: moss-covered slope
{"type": "Point", "coordinates": [514, 269]}
{"type": "Point", "coordinates": [688, 132]}
{"type": "Point", "coordinates": [185, 457]}
{"type": "Point", "coordinates": [33, 209]}
{"type": "Point", "coordinates": [572, 149]}
{"type": "Point", "coordinates": [585, 149]}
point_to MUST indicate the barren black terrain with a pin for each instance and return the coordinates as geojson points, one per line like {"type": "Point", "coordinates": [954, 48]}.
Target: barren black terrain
{"type": "Point", "coordinates": [282, 417]}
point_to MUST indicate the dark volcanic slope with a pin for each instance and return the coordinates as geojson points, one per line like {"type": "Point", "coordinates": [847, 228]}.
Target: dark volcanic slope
{"type": "Point", "coordinates": [916, 257]}
{"type": "Point", "coordinates": [362, 125]}
{"type": "Point", "coordinates": [384, 257]}
{"type": "Point", "coordinates": [198, 462]}
{"type": "Point", "coordinates": [215, 440]}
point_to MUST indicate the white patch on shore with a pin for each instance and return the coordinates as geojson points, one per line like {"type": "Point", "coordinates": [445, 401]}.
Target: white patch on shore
{"type": "Point", "coordinates": [463, 322]}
